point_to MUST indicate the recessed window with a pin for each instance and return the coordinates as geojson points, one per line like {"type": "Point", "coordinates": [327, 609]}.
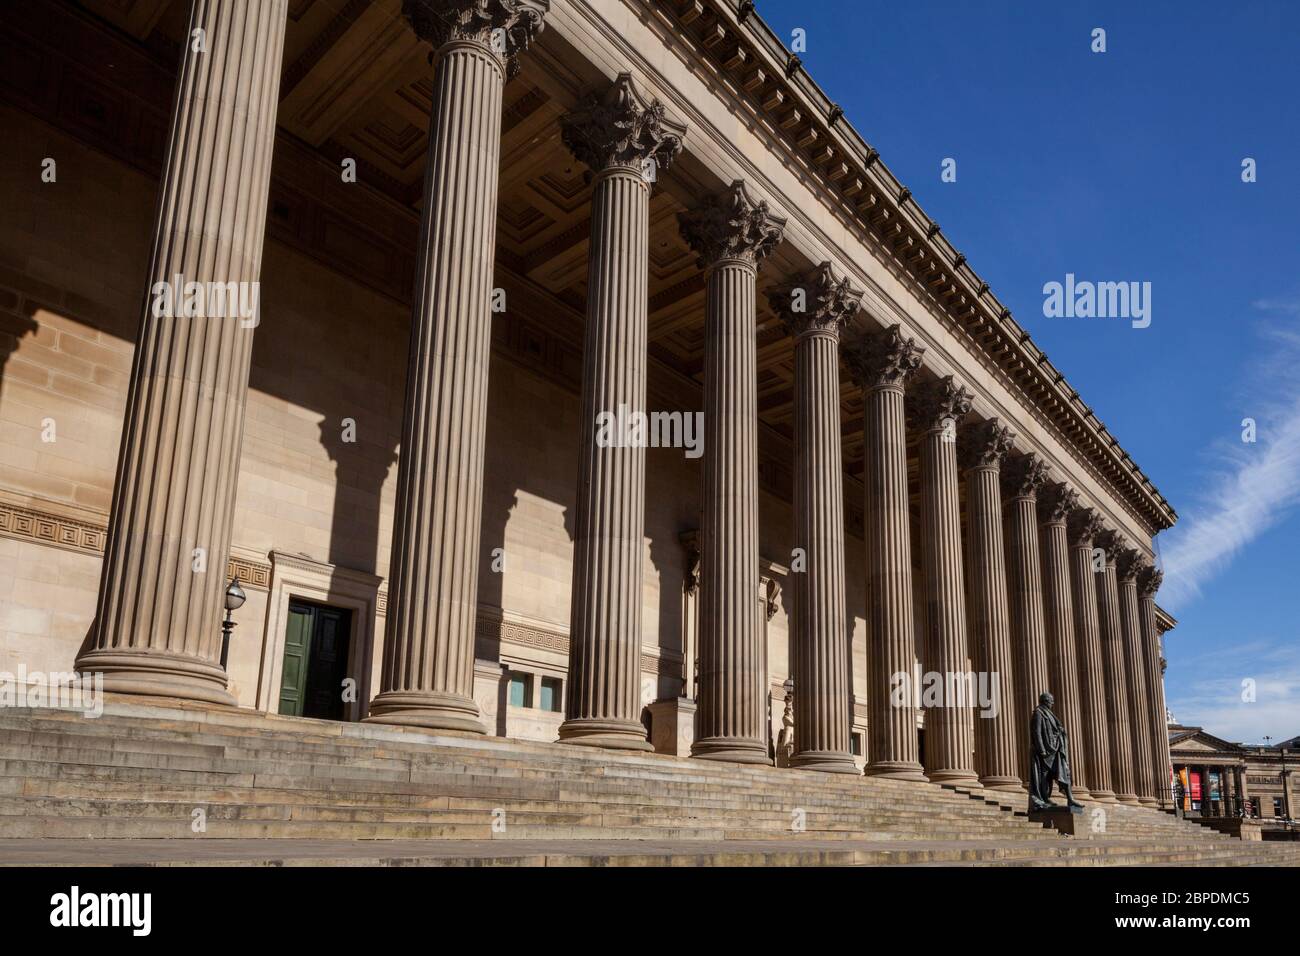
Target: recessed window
{"type": "Point", "coordinates": [855, 744]}
{"type": "Point", "coordinates": [1277, 806]}
{"type": "Point", "coordinates": [521, 689]}
{"type": "Point", "coordinates": [549, 699]}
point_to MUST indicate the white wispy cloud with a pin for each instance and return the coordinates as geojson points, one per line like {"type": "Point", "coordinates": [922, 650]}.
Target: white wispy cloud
{"type": "Point", "coordinates": [1254, 486]}
{"type": "Point", "coordinates": [1208, 691]}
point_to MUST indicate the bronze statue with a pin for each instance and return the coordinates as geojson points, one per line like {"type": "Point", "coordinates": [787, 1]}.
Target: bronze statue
{"type": "Point", "coordinates": [1049, 758]}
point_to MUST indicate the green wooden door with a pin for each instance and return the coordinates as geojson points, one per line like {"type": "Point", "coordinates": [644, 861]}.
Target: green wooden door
{"type": "Point", "coordinates": [328, 665]}
{"type": "Point", "coordinates": [297, 654]}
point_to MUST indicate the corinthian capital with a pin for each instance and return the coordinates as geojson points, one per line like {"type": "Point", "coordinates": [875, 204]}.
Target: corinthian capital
{"type": "Point", "coordinates": [985, 444]}
{"type": "Point", "coordinates": [1023, 475]}
{"type": "Point", "coordinates": [506, 27]}
{"type": "Point", "coordinates": [621, 128]}
{"type": "Point", "coordinates": [1112, 542]}
{"type": "Point", "coordinates": [1128, 563]}
{"type": "Point", "coordinates": [939, 404]}
{"type": "Point", "coordinates": [815, 303]}
{"type": "Point", "coordinates": [1149, 580]}
{"type": "Point", "coordinates": [885, 359]}
{"type": "Point", "coordinates": [1084, 526]}
{"type": "Point", "coordinates": [731, 225]}
{"type": "Point", "coordinates": [1056, 502]}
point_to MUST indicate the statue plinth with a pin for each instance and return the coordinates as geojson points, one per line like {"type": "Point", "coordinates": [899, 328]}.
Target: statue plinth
{"type": "Point", "coordinates": [1080, 824]}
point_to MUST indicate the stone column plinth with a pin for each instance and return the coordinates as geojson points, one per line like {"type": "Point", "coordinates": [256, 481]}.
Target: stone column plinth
{"type": "Point", "coordinates": [1149, 580]}
{"type": "Point", "coordinates": [624, 140]}
{"type": "Point", "coordinates": [1127, 567]}
{"type": "Point", "coordinates": [1021, 478]}
{"type": "Point", "coordinates": [937, 410]}
{"type": "Point", "coordinates": [731, 234]}
{"type": "Point", "coordinates": [161, 592]}
{"type": "Point", "coordinates": [1094, 731]}
{"type": "Point", "coordinates": [881, 364]}
{"type": "Point", "coordinates": [1056, 501]}
{"type": "Point", "coordinates": [428, 669]}
{"type": "Point", "coordinates": [1120, 731]}
{"type": "Point", "coordinates": [814, 308]}
{"type": "Point", "coordinates": [997, 745]}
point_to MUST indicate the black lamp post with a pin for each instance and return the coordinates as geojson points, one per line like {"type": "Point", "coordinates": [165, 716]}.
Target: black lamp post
{"type": "Point", "coordinates": [235, 598]}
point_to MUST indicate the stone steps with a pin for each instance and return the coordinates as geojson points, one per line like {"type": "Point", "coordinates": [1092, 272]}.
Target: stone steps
{"type": "Point", "coordinates": [138, 773]}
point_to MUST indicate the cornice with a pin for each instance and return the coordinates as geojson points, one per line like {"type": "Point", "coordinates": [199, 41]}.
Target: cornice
{"type": "Point", "coordinates": [742, 48]}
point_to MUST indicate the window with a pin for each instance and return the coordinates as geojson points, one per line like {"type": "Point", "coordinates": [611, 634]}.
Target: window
{"type": "Point", "coordinates": [855, 744]}
{"type": "Point", "coordinates": [1277, 806]}
{"type": "Point", "coordinates": [521, 689]}
{"type": "Point", "coordinates": [550, 695]}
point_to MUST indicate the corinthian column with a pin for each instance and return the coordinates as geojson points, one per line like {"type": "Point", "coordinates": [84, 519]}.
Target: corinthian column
{"type": "Point", "coordinates": [813, 309]}
{"type": "Point", "coordinates": [882, 365]}
{"type": "Point", "coordinates": [997, 746]}
{"type": "Point", "coordinates": [1117, 691]}
{"type": "Point", "coordinates": [937, 410]}
{"type": "Point", "coordinates": [162, 584]}
{"type": "Point", "coordinates": [622, 138]}
{"type": "Point", "coordinates": [732, 234]}
{"type": "Point", "coordinates": [1055, 504]}
{"type": "Point", "coordinates": [1127, 566]}
{"type": "Point", "coordinates": [1021, 479]}
{"type": "Point", "coordinates": [428, 670]}
{"type": "Point", "coordinates": [1084, 525]}
{"type": "Point", "coordinates": [1149, 580]}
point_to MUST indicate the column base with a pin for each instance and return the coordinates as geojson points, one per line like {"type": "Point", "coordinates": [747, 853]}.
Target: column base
{"type": "Point", "coordinates": [1151, 802]}
{"type": "Point", "coordinates": [431, 710]}
{"type": "Point", "coordinates": [1102, 796]}
{"type": "Point", "coordinates": [954, 776]}
{"type": "Point", "coordinates": [1128, 798]}
{"type": "Point", "coordinates": [733, 749]}
{"type": "Point", "coordinates": [1011, 784]}
{"type": "Point", "coordinates": [153, 674]}
{"type": "Point", "coordinates": [897, 770]}
{"type": "Point", "coordinates": [1081, 792]}
{"type": "Point", "coordinates": [604, 732]}
{"type": "Point", "coordinates": [826, 761]}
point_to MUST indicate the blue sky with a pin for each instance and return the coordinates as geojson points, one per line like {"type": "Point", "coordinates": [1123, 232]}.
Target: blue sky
{"type": "Point", "coordinates": [1127, 166]}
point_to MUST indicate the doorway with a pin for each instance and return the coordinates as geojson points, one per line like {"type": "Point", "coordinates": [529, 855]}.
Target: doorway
{"type": "Point", "coordinates": [317, 644]}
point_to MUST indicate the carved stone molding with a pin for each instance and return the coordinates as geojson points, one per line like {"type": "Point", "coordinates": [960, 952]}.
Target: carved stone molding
{"type": "Point", "coordinates": [1113, 543]}
{"type": "Point", "coordinates": [621, 128]}
{"type": "Point", "coordinates": [1084, 526]}
{"type": "Point", "coordinates": [985, 444]}
{"type": "Point", "coordinates": [1149, 580]}
{"type": "Point", "coordinates": [1056, 502]}
{"type": "Point", "coordinates": [505, 27]}
{"type": "Point", "coordinates": [1023, 475]}
{"type": "Point", "coordinates": [1128, 564]}
{"type": "Point", "coordinates": [940, 404]}
{"type": "Point", "coordinates": [27, 524]}
{"type": "Point", "coordinates": [731, 225]}
{"type": "Point", "coordinates": [818, 303]}
{"type": "Point", "coordinates": [885, 359]}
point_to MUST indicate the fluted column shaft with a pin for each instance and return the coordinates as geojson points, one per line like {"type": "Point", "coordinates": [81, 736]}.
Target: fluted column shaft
{"type": "Point", "coordinates": [882, 365]}
{"type": "Point", "coordinates": [1119, 731]}
{"type": "Point", "coordinates": [161, 591]}
{"type": "Point", "coordinates": [949, 723]}
{"type": "Point", "coordinates": [731, 233]}
{"type": "Point", "coordinates": [428, 669]}
{"type": "Point", "coordinates": [1149, 580]}
{"type": "Point", "coordinates": [813, 308]}
{"type": "Point", "coordinates": [1063, 662]}
{"type": "Point", "coordinates": [603, 697]}
{"type": "Point", "coordinates": [996, 742]}
{"type": "Point", "coordinates": [1094, 729]}
{"type": "Point", "coordinates": [1025, 589]}
{"type": "Point", "coordinates": [730, 719]}
{"type": "Point", "coordinates": [1135, 681]}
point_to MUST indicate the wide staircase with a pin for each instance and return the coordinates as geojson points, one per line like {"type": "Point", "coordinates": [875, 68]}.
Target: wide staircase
{"type": "Point", "coordinates": [166, 784]}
